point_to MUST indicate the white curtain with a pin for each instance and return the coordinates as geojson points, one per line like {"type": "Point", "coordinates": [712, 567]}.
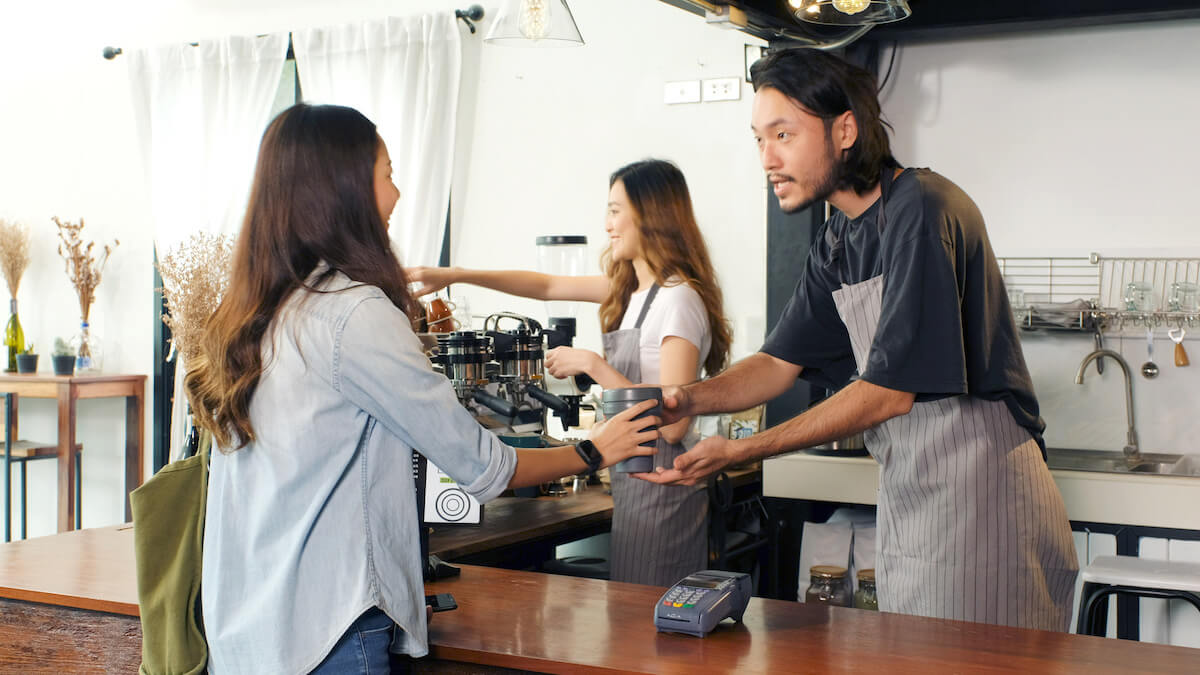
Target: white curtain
{"type": "Point", "coordinates": [200, 112]}
{"type": "Point", "coordinates": [402, 73]}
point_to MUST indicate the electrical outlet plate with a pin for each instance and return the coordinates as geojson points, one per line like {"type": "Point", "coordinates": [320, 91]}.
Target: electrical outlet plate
{"type": "Point", "coordinates": [722, 89]}
{"type": "Point", "coordinates": [686, 91]}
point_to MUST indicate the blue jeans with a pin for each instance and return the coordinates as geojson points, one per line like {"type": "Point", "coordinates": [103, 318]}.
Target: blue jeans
{"type": "Point", "coordinates": [363, 648]}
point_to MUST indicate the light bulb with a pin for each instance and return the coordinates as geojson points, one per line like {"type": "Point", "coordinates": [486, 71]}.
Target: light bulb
{"type": "Point", "coordinates": [534, 19]}
{"type": "Point", "coordinates": [851, 6]}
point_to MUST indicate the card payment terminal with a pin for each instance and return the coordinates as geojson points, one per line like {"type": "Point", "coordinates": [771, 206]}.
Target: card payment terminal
{"type": "Point", "coordinates": [701, 600]}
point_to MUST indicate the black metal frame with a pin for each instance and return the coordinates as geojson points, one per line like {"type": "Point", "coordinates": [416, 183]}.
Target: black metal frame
{"type": "Point", "coordinates": [1129, 544]}
{"type": "Point", "coordinates": [10, 411]}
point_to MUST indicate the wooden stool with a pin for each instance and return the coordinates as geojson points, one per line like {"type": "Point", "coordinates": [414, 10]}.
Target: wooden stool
{"type": "Point", "coordinates": [1142, 577]}
{"type": "Point", "coordinates": [23, 452]}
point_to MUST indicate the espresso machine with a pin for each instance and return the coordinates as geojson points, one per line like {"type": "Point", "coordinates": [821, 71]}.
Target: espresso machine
{"type": "Point", "coordinates": [498, 374]}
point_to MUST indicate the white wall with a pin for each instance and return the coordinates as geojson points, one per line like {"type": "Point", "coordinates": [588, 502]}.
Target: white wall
{"type": "Point", "coordinates": [1072, 142]}
{"type": "Point", "coordinates": [549, 128]}
{"type": "Point", "coordinates": [540, 130]}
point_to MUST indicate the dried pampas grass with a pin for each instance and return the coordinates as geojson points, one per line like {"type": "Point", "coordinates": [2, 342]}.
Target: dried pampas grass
{"type": "Point", "coordinates": [195, 276]}
{"type": "Point", "coordinates": [14, 253]}
{"type": "Point", "coordinates": [82, 267]}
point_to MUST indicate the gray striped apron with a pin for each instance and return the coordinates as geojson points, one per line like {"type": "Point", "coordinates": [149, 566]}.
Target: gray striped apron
{"type": "Point", "coordinates": [659, 532]}
{"type": "Point", "coordinates": [970, 523]}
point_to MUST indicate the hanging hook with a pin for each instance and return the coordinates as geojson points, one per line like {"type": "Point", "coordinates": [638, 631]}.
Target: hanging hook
{"type": "Point", "coordinates": [472, 13]}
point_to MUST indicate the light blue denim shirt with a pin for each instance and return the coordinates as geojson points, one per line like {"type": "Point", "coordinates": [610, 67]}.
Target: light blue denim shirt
{"type": "Point", "coordinates": [315, 521]}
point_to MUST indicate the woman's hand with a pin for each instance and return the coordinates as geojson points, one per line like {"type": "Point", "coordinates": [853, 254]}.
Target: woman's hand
{"type": "Point", "coordinates": [568, 361]}
{"type": "Point", "coordinates": [432, 279]}
{"type": "Point", "coordinates": [620, 436]}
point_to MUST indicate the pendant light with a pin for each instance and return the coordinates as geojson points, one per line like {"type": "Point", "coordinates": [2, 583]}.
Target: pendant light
{"type": "Point", "coordinates": [849, 12]}
{"type": "Point", "coordinates": [534, 23]}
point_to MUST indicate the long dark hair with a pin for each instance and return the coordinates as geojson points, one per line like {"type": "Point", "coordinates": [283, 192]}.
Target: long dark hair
{"type": "Point", "coordinates": [672, 246]}
{"type": "Point", "coordinates": [312, 200]}
{"type": "Point", "coordinates": [827, 86]}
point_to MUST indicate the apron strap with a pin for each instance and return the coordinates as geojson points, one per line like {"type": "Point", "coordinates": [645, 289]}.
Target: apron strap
{"type": "Point", "coordinates": [646, 305]}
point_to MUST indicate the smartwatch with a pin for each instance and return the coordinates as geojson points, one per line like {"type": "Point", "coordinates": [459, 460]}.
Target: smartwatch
{"type": "Point", "coordinates": [590, 455]}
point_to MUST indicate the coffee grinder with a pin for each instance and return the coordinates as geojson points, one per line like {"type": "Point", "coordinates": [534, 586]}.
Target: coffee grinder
{"type": "Point", "coordinates": [563, 255]}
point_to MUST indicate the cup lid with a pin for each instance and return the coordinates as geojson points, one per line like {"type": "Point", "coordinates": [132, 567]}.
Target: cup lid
{"type": "Point", "coordinates": [631, 394]}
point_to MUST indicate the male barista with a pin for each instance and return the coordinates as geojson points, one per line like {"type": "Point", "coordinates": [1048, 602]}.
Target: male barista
{"type": "Point", "coordinates": [902, 298]}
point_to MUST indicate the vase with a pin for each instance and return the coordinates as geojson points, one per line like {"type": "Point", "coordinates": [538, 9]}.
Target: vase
{"type": "Point", "coordinates": [88, 352]}
{"type": "Point", "coordinates": [14, 337]}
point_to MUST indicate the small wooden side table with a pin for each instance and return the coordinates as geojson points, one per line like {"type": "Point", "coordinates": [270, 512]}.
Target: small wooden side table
{"type": "Point", "coordinates": [68, 390]}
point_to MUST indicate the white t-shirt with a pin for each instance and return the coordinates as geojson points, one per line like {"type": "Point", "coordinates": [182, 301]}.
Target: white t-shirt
{"type": "Point", "coordinates": [677, 311]}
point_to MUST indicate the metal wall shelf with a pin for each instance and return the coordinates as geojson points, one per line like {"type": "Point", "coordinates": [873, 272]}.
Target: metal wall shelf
{"type": "Point", "coordinates": [1088, 293]}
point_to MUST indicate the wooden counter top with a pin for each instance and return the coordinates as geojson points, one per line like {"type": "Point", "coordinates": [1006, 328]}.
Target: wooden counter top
{"type": "Point", "coordinates": [88, 569]}
{"type": "Point", "coordinates": [557, 624]}
{"type": "Point", "coordinates": [511, 521]}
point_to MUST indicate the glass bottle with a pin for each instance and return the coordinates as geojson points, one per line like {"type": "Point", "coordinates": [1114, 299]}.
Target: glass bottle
{"type": "Point", "coordinates": [828, 586]}
{"type": "Point", "coordinates": [864, 597]}
{"type": "Point", "coordinates": [87, 349]}
{"type": "Point", "coordinates": [14, 337]}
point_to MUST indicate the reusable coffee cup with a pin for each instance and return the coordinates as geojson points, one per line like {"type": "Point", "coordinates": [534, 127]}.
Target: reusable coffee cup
{"type": "Point", "coordinates": [616, 400]}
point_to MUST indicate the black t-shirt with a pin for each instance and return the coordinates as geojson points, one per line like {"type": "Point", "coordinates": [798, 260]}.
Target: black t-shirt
{"type": "Point", "coordinates": [946, 327]}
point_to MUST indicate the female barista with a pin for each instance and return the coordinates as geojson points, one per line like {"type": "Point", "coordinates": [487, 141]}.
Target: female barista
{"type": "Point", "coordinates": [316, 390]}
{"type": "Point", "coordinates": [661, 309]}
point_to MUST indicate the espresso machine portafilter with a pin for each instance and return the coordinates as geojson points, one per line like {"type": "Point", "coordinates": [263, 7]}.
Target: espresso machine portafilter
{"type": "Point", "coordinates": [520, 354]}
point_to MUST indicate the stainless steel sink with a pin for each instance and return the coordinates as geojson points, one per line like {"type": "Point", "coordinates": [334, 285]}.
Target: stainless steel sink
{"type": "Point", "coordinates": [1115, 462]}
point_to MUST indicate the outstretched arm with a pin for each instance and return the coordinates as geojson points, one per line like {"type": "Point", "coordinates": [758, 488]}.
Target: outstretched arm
{"type": "Point", "coordinates": [617, 438]}
{"type": "Point", "coordinates": [514, 282]}
{"type": "Point", "coordinates": [753, 380]}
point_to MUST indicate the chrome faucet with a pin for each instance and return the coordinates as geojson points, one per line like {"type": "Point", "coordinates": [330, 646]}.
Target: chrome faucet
{"type": "Point", "coordinates": [1132, 454]}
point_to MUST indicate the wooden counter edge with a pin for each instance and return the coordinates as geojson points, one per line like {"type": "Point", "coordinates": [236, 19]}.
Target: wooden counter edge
{"type": "Point", "coordinates": [71, 601]}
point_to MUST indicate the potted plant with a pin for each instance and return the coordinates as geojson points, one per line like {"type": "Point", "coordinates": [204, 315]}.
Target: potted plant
{"type": "Point", "coordinates": [27, 360]}
{"type": "Point", "coordinates": [64, 358]}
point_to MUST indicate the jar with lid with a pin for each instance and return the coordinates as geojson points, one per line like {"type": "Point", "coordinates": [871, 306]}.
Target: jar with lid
{"type": "Point", "coordinates": [864, 596]}
{"type": "Point", "coordinates": [828, 586]}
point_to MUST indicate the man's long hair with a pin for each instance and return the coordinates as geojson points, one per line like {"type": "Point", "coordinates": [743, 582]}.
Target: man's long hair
{"type": "Point", "coordinates": [312, 201]}
{"type": "Point", "coordinates": [828, 86]}
{"type": "Point", "coordinates": [672, 246]}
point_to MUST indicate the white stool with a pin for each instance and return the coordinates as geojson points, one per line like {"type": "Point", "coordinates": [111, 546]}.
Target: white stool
{"type": "Point", "coordinates": [1142, 577]}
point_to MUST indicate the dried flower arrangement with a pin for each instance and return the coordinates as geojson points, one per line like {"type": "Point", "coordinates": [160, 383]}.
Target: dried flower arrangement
{"type": "Point", "coordinates": [14, 253]}
{"type": "Point", "coordinates": [82, 268]}
{"type": "Point", "coordinates": [195, 275]}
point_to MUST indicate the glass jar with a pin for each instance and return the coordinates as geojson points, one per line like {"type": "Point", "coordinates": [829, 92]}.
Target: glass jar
{"type": "Point", "coordinates": [864, 596]}
{"type": "Point", "coordinates": [828, 586]}
{"type": "Point", "coordinates": [1139, 296]}
{"type": "Point", "coordinates": [1185, 297]}
{"type": "Point", "coordinates": [87, 348]}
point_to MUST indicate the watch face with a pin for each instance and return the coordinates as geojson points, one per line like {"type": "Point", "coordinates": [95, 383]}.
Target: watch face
{"type": "Point", "coordinates": [590, 454]}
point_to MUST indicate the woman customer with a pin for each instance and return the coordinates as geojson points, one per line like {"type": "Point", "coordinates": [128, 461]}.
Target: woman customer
{"type": "Point", "coordinates": [315, 390]}
{"type": "Point", "coordinates": [661, 309]}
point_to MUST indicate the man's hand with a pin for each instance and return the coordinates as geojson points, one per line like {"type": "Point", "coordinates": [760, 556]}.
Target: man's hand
{"type": "Point", "coordinates": [568, 361]}
{"type": "Point", "coordinates": [676, 404]}
{"type": "Point", "coordinates": [694, 466]}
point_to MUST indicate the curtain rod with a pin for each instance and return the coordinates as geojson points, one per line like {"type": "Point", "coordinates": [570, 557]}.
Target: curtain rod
{"type": "Point", "coordinates": [468, 15]}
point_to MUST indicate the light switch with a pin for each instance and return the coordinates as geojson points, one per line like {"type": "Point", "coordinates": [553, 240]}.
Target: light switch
{"type": "Point", "coordinates": [685, 91]}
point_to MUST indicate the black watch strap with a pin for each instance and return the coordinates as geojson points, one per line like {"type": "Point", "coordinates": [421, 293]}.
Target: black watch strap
{"type": "Point", "coordinates": [589, 454]}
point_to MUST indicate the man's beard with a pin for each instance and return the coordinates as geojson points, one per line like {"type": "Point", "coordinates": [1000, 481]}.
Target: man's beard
{"type": "Point", "coordinates": [825, 184]}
